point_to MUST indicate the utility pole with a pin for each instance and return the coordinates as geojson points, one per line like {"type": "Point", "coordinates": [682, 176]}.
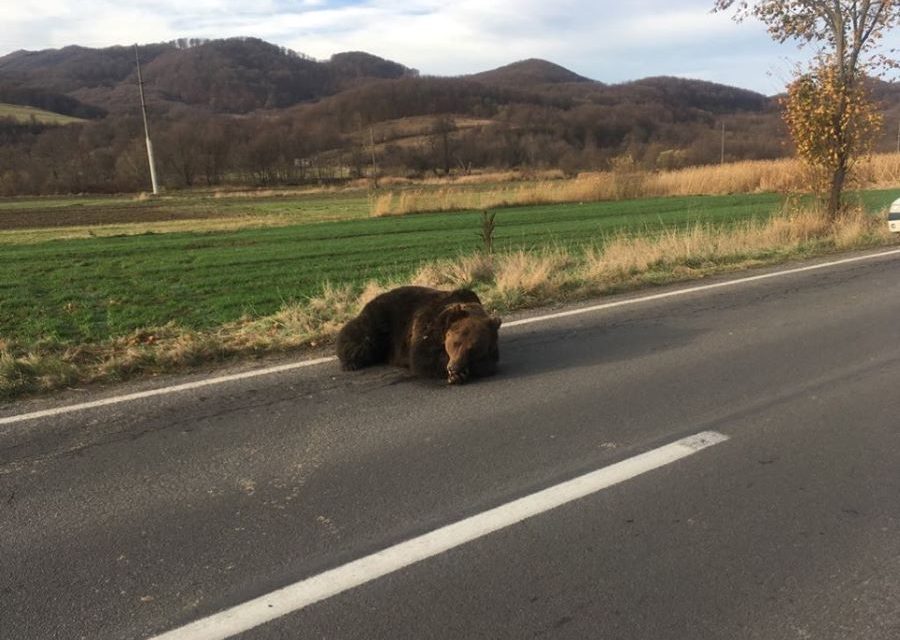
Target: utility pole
{"type": "Point", "coordinates": [146, 126]}
{"type": "Point", "coordinates": [898, 137]}
{"type": "Point", "coordinates": [374, 165]}
{"type": "Point", "coordinates": [722, 156]}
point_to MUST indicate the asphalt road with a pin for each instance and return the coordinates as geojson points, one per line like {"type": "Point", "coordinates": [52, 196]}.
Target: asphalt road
{"type": "Point", "coordinates": [140, 517]}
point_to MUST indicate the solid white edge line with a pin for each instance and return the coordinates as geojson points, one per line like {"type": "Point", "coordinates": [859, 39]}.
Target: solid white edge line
{"type": "Point", "coordinates": [514, 323]}
{"type": "Point", "coordinates": [695, 289]}
{"type": "Point", "coordinates": [294, 597]}
{"type": "Point", "coordinates": [163, 390]}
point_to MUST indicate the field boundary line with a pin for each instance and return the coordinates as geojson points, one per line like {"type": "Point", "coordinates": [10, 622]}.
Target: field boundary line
{"type": "Point", "coordinates": [514, 323]}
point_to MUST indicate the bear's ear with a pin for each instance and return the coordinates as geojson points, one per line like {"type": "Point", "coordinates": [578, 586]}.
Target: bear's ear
{"type": "Point", "coordinates": [466, 295]}
{"type": "Point", "coordinates": [451, 314]}
{"type": "Point", "coordinates": [495, 322]}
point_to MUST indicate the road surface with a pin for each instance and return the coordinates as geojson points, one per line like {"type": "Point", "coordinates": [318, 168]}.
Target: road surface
{"type": "Point", "coordinates": [146, 515]}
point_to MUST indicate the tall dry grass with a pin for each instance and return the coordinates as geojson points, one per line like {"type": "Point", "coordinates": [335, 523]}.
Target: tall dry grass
{"type": "Point", "coordinates": [703, 246]}
{"type": "Point", "coordinates": [504, 282]}
{"type": "Point", "coordinates": [463, 272]}
{"type": "Point", "coordinates": [476, 178]}
{"type": "Point", "coordinates": [625, 181]}
{"type": "Point", "coordinates": [450, 198]}
{"type": "Point", "coordinates": [761, 176]}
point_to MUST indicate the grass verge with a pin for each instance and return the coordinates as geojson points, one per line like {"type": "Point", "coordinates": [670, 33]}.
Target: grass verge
{"type": "Point", "coordinates": [507, 281]}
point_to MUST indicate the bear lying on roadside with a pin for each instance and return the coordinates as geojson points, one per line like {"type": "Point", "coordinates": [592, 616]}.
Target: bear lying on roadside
{"type": "Point", "coordinates": [433, 333]}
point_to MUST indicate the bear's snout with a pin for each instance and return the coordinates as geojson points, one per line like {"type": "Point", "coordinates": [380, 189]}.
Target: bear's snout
{"type": "Point", "coordinates": [457, 374]}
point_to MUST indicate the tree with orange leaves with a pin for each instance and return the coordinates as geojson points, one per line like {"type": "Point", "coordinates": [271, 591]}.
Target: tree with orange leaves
{"type": "Point", "coordinates": [830, 115]}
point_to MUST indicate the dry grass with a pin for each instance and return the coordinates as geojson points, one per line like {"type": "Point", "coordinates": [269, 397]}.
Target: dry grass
{"type": "Point", "coordinates": [476, 178]}
{"type": "Point", "coordinates": [882, 170]}
{"type": "Point", "coordinates": [516, 194]}
{"type": "Point", "coordinates": [763, 176]}
{"type": "Point", "coordinates": [233, 223]}
{"type": "Point", "coordinates": [703, 248]}
{"type": "Point", "coordinates": [524, 277]}
{"type": "Point", "coordinates": [493, 177]}
{"type": "Point", "coordinates": [625, 181]}
{"type": "Point", "coordinates": [299, 323]}
{"type": "Point", "coordinates": [278, 193]}
{"type": "Point", "coordinates": [505, 282]}
{"type": "Point", "coordinates": [464, 272]}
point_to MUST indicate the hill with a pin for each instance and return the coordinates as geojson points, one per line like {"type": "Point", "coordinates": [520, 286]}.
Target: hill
{"type": "Point", "coordinates": [262, 114]}
{"type": "Point", "coordinates": [685, 93]}
{"type": "Point", "coordinates": [243, 75]}
{"type": "Point", "coordinates": [529, 72]}
{"type": "Point", "coordinates": [235, 75]}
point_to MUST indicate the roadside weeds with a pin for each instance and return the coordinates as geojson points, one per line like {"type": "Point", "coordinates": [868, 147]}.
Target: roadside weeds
{"type": "Point", "coordinates": [505, 282]}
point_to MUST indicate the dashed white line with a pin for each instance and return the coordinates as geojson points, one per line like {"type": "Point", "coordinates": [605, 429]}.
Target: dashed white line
{"type": "Point", "coordinates": [301, 594]}
{"type": "Point", "coordinates": [515, 323]}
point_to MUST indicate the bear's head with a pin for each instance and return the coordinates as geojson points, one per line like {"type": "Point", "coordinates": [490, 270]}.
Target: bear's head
{"type": "Point", "coordinates": [470, 340]}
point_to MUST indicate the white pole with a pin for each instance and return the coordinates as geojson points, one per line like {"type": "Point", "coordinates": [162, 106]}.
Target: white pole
{"type": "Point", "coordinates": [146, 126]}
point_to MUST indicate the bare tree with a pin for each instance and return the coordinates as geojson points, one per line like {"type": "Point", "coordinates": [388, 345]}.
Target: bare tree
{"type": "Point", "coordinates": [441, 144]}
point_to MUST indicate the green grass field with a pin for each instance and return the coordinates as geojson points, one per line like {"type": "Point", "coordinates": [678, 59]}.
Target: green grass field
{"type": "Point", "coordinates": [74, 291]}
{"type": "Point", "coordinates": [25, 114]}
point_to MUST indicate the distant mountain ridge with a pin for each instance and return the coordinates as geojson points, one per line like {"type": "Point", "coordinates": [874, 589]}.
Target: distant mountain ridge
{"type": "Point", "coordinates": [234, 75]}
{"type": "Point", "coordinates": [241, 75]}
{"type": "Point", "coordinates": [246, 111]}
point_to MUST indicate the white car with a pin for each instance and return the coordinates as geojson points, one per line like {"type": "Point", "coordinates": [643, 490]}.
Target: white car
{"type": "Point", "coordinates": [894, 216]}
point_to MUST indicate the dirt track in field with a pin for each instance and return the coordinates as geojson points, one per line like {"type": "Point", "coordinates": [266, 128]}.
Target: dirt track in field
{"type": "Point", "coordinates": [77, 216]}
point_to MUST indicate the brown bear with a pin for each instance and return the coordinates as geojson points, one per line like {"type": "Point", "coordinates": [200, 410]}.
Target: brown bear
{"type": "Point", "coordinates": [433, 333]}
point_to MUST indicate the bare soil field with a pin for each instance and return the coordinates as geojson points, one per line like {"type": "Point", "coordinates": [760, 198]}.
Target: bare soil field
{"type": "Point", "coordinates": [209, 209]}
{"type": "Point", "coordinates": [78, 215]}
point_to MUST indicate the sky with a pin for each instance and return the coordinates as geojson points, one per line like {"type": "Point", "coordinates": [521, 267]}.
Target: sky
{"type": "Point", "coordinates": [607, 40]}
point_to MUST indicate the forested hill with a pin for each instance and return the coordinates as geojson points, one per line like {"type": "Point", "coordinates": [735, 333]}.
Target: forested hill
{"type": "Point", "coordinates": [529, 72]}
{"type": "Point", "coordinates": [241, 75]}
{"type": "Point", "coordinates": [236, 75]}
{"type": "Point", "coordinates": [243, 109]}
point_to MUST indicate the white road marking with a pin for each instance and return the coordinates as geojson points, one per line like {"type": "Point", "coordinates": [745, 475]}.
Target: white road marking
{"type": "Point", "coordinates": [514, 323]}
{"type": "Point", "coordinates": [294, 597]}
{"type": "Point", "coordinates": [703, 287]}
{"type": "Point", "coordinates": [162, 391]}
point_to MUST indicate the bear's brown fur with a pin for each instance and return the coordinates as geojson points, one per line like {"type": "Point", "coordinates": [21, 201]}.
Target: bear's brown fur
{"type": "Point", "coordinates": [433, 333]}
